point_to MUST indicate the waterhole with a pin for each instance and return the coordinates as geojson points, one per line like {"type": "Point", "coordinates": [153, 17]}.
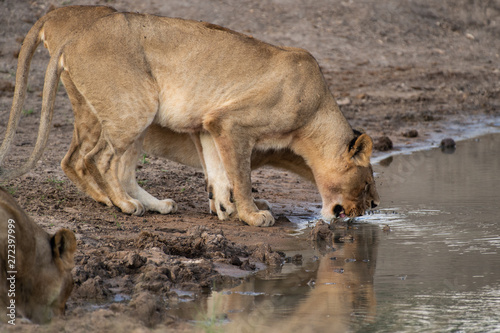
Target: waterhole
{"type": "Point", "coordinates": [428, 260]}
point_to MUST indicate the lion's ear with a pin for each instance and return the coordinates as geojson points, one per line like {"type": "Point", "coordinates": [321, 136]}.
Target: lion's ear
{"type": "Point", "coordinates": [63, 245]}
{"type": "Point", "coordinates": [360, 150]}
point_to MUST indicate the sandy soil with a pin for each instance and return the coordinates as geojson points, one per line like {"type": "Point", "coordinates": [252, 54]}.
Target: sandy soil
{"type": "Point", "coordinates": [394, 66]}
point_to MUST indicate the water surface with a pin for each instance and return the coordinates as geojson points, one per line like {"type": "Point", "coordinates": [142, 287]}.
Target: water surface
{"type": "Point", "coordinates": [427, 261]}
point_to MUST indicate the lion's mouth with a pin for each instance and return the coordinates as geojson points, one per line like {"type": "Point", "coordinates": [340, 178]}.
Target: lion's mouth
{"type": "Point", "coordinates": [338, 211]}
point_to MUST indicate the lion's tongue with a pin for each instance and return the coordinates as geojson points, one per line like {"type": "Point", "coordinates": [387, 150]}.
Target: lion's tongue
{"type": "Point", "coordinates": [342, 215]}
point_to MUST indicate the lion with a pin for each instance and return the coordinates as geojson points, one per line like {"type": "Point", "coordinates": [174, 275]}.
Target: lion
{"type": "Point", "coordinates": [55, 29]}
{"type": "Point", "coordinates": [275, 100]}
{"type": "Point", "coordinates": [35, 268]}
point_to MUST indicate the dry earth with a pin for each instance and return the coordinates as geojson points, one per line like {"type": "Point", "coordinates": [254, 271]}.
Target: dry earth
{"type": "Point", "coordinates": [394, 66]}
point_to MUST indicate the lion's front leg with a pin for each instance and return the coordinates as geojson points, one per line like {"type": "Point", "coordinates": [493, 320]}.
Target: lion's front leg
{"type": "Point", "coordinates": [127, 176]}
{"type": "Point", "coordinates": [235, 152]}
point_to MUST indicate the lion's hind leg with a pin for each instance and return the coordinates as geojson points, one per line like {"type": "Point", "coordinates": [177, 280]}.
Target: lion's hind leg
{"type": "Point", "coordinates": [74, 167]}
{"type": "Point", "coordinates": [85, 136]}
{"type": "Point", "coordinates": [86, 133]}
{"type": "Point", "coordinates": [103, 164]}
{"type": "Point", "coordinates": [124, 110]}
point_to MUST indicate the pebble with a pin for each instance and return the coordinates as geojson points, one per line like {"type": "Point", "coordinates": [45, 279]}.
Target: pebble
{"type": "Point", "coordinates": [447, 143]}
{"type": "Point", "coordinates": [448, 146]}
{"type": "Point", "coordinates": [344, 101]}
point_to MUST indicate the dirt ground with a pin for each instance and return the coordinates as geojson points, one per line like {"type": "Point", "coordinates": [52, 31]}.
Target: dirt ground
{"type": "Point", "coordinates": [394, 66]}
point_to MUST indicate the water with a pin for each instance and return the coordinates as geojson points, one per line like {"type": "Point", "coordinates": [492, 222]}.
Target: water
{"type": "Point", "coordinates": [428, 261]}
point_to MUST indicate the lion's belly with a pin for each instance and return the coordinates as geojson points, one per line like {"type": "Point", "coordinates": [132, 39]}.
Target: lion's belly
{"type": "Point", "coordinates": [180, 111]}
{"type": "Point", "coordinates": [185, 105]}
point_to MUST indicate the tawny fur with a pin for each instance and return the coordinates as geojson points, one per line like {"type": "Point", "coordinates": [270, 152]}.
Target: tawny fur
{"type": "Point", "coordinates": [126, 72]}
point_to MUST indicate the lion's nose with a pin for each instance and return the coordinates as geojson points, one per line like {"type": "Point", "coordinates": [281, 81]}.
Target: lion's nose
{"type": "Point", "coordinates": [374, 204]}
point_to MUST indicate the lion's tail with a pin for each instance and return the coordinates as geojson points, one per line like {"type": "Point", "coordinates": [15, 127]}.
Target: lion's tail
{"type": "Point", "coordinates": [30, 44]}
{"type": "Point", "coordinates": [52, 76]}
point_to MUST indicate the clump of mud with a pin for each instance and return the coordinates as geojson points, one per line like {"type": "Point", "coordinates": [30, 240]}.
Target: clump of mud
{"type": "Point", "coordinates": [413, 133]}
{"type": "Point", "coordinates": [327, 234]}
{"type": "Point", "coordinates": [145, 275]}
{"type": "Point", "coordinates": [265, 254]}
{"type": "Point", "coordinates": [448, 143]}
{"type": "Point", "coordinates": [448, 146]}
{"type": "Point", "coordinates": [149, 307]}
{"type": "Point", "coordinates": [322, 232]}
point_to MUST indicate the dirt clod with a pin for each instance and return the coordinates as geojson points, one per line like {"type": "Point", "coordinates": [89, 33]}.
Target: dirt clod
{"type": "Point", "coordinates": [92, 289]}
{"type": "Point", "coordinates": [383, 143]}
{"type": "Point", "coordinates": [134, 260]}
{"type": "Point", "coordinates": [410, 134]}
{"type": "Point", "coordinates": [321, 232]}
{"type": "Point", "coordinates": [265, 254]}
{"type": "Point", "coordinates": [149, 308]}
{"type": "Point", "coordinates": [297, 259]}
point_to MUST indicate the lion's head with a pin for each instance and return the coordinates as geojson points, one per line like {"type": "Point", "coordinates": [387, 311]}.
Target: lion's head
{"type": "Point", "coordinates": [37, 282]}
{"type": "Point", "coordinates": [351, 189]}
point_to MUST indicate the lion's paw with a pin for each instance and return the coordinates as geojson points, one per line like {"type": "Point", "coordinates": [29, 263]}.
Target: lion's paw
{"type": "Point", "coordinates": [223, 210]}
{"type": "Point", "coordinates": [167, 206]}
{"type": "Point", "coordinates": [262, 218]}
{"type": "Point", "coordinates": [221, 203]}
{"type": "Point", "coordinates": [132, 207]}
{"type": "Point", "coordinates": [104, 201]}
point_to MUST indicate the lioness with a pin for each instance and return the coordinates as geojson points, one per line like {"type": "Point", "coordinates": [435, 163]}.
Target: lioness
{"type": "Point", "coordinates": [222, 95]}
{"type": "Point", "coordinates": [54, 30]}
{"type": "Point", "coordinates": [35, 268]}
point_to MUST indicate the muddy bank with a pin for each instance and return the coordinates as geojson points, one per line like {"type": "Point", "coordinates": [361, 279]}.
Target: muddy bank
{"type": "Point", "coordinates": [394, 67]}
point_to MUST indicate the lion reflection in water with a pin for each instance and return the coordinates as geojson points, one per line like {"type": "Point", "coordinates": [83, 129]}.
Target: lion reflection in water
{"type": "Point", "coordinates": [339, 291]}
